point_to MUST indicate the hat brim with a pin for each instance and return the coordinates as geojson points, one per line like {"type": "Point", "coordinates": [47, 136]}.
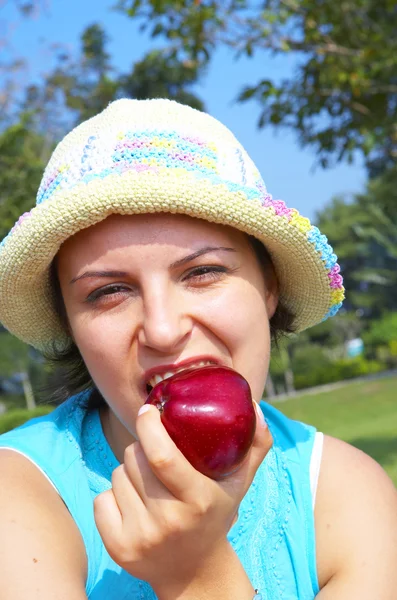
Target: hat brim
{"type": "Point", "coordinates": [26, 301]}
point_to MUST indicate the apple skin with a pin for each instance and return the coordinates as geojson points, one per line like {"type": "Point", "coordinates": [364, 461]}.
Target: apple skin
{"type": "Point", "coordinates": [209, 413]}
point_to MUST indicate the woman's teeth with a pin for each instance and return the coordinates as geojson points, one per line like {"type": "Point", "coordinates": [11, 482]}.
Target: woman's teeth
{"type": "Point", "coordinates": [157, 378]}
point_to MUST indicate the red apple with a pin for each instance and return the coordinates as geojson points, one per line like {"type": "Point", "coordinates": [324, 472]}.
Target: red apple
{"type": "Point", "coordinates": [209, 414]}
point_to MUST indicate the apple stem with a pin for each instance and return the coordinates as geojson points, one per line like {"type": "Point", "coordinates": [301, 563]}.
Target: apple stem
{"type": "Point", "coordinates": [160, 405]}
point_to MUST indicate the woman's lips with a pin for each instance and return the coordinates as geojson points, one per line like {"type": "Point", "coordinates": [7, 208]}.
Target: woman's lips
{"type": "Point", "coordinates": [170, 369]}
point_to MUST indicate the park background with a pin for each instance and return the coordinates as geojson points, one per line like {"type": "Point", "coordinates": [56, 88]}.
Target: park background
{"type": "Point", "coordinates": [309, 87]}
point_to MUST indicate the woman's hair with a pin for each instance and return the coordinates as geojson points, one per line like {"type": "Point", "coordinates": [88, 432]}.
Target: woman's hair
{"type": "Point", "coordinates": [71, 375]}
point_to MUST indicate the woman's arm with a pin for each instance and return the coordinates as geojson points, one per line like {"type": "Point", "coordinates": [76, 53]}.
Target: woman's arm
{"type": "Point", "coordinates": [42, 555]}
{"type": "Point", "coordinates": [356, 524]}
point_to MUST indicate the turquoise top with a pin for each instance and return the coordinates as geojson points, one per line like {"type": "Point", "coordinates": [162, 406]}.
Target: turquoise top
{"type": "Point", "coordinates": [273, 537]}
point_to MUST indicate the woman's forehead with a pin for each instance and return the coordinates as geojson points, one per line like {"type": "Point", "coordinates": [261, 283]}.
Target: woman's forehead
{"type": "Point", "coordinates": [118, 232]}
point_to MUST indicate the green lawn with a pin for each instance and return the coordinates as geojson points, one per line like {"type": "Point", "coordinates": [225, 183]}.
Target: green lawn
{"type": "Point", "coordinates": [363, 414]}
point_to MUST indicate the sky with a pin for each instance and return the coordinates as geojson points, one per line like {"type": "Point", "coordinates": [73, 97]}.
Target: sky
{"type": "Point", "coordinates": [287, 169]}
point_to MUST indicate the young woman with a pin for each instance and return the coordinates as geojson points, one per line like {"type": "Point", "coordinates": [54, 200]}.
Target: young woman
{"type": "Point", "coordinates": [154, 247]}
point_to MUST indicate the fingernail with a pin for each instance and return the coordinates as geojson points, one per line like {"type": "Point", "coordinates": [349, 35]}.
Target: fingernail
{"type": "Point", "coordinates": [260, 414]}
{"type": "Point", "coordinates": [143, 409]}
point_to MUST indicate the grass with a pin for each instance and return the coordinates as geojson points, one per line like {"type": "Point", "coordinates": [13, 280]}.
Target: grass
{"type": "Point", "coordinates": [363, 414]}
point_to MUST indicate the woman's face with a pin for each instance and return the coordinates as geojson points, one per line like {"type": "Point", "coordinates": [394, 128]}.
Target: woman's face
{"type": "Point", "coordinates": [145, 293]}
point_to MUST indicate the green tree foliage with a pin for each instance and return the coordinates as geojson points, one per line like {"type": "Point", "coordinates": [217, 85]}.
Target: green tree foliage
{"type": "Point", "coordinates": [13, 66]}
{"type": "Point", "coordinates": [331, 335]}
{"type": "Point", "coordinates": [381, 340]}
{"type": "Point", "coordinates": [161, 75]}
{"type": "Point", "coordinates": [23, 153]}
{"type": "Point", "coordinates": [81, 86]}
{"type": "Point", "coordinates": [364, 235]}
{"type": "Point", "coordinates": [382, 331]}
{"type": "Point", "coordinates": [16, 358]}
{"type": "Point", "coordinates": [87, 80]}
{"type": "Point", "coordinates": [77, 88]}
{"type": "Point", "coordinates": [28, 7]}
{"type": "Point", "coordinates": [342, 95]}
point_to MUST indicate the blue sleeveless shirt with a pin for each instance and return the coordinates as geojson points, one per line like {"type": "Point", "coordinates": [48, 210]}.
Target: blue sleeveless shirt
{"type": "Point", "coordinates": [273, 537]}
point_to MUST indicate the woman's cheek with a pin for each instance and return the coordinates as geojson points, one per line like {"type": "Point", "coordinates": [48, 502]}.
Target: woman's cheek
{"type": "Point", "coordinates": [98, 332]}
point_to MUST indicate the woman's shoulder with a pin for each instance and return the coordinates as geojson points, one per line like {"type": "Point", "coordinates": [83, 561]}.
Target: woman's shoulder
{"type": "Point", "coordinates": [51, 447]}
{"type": "Point", "coordinates": [356, 515]}
{"type": "Point", "coordinates": [37, 534]}
{"type": "Point", "coordinates": [61, 451]}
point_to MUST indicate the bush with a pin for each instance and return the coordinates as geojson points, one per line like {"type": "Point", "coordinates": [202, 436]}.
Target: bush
{"type": "Point", "coordinates": [337, 371]}
{"type": "Point", "coordinates": [14, 418]}
{"type": "Point", "coordinates": [382, 331]}
{"type": "Point", "coordinates": [310, 356]}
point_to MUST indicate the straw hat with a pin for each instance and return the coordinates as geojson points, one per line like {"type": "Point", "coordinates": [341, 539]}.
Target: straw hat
{"type": "Point", "coordinates": [147, 156]}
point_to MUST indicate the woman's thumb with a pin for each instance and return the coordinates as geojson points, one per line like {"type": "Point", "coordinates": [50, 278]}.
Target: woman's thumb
{"type": "Point", "coordinates": [262, 439]}
{"type": "Point", "coordinates": [261, 445]}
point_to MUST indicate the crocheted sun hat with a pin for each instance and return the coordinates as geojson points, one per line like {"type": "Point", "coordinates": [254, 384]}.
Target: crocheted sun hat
{"type": "Point", "coordinates": [148, 156]}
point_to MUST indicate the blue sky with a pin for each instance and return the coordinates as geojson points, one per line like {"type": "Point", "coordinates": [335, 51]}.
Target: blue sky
{"type": "Point", "coordinates": [286, 168]}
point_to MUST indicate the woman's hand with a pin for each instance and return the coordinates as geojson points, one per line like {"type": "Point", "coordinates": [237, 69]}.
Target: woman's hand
{"type": "Point", "coordinates": [163, 520]}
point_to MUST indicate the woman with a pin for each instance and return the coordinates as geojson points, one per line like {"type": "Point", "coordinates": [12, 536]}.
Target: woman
{"type": "Point", "coordinates": [155, 247]}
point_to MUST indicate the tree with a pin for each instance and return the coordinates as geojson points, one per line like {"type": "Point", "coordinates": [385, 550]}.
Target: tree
{"type": "Point", "coordinates": [382, 331]}
{"type": "Point", "coordinates": [341, 98]}
{"type": "Point", "coordinates": [333, 334]}
{"type": "Point", "coordinates": [29, 7]}
{"type": "Point", "coordinates": [23, 154]}
{"type": "Point", "coordinates": [77, 88]}
{"type": "Point", "coordinates": [16, 360]}
{"type": "Point", "coordinates": [82, 85]}
{"type": "Point", "coordinates": [363, 233]}
{"type": "Point", "coordinates": [161, 75]}
{"type": "Point", "coordinates": [338, 221]}
{"type": "Point", "coordinates": [381, 339]}
{"type": "Point", "coordinates": [280, 371]}
{"type": "Point", "coordinates": [12, 67]}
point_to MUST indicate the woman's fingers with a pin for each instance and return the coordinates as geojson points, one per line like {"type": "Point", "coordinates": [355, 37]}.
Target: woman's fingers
{"type": "Point", "coordinates": [142, 477]}
{"type": "Point", "coordinates": [261, 445]}
{"type": "Point", "coordinates": [121, 501]}
{"type": "Point", "coordinates": [108, 519]}
{"type": "Point", "coordinates": [165, 459]}
{"type": "Point", "coordinates": [156, 493]}
{"type": "Point", "coordinates": [263, 439]}
{"type": "Point", "coordinates": [126, 493]}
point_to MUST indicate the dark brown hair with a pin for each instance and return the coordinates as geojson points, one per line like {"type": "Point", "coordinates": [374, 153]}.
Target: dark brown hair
{"type": "Point", "coordinates": [71, 375]}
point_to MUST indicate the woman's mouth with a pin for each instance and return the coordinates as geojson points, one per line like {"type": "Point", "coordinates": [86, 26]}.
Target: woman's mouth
{"type": "Point", "coordinates": [158, 377]}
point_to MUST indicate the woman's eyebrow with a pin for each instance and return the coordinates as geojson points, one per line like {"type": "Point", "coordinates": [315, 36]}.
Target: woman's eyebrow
{"type": "Point", "coordinates": [198, 253]}
{"type": "Point", "coordinates": [175, 264]}
{"type": "Point", "coordinates": [99, 274]}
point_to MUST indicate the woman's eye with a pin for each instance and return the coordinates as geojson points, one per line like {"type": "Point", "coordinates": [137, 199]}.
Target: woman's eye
{"type": "Point", "coordinates": [207, 273]}
{"type": "Point", "coordinates": [110, 292]}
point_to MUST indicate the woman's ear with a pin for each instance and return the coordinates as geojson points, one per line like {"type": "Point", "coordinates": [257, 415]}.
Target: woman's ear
{"type": "Point", "coordinates": [59, 303]}
{"type": "Point", "coordinates": [272, 293]}
{"type": "Point", "coordinates": [272, 298]}
{"type": "Point", "coordinates": [265, 264]}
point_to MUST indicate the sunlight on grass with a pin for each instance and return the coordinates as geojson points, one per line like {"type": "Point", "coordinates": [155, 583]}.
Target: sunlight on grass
{"type": "Point", "coordinates": [363, 414]}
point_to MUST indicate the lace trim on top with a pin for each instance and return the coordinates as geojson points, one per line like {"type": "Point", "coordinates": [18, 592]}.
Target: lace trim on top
{"type": "Point", "coordinates": [270, 498]}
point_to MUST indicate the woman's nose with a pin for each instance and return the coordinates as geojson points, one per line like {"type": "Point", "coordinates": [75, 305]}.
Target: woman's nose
{"type": "Point", "coordinates": [166, 325]}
